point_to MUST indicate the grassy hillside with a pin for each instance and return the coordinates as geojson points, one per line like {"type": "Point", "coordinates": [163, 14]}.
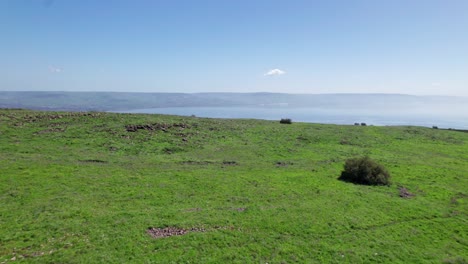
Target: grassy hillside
{"type": "Point", "coordinates": [86, 188]}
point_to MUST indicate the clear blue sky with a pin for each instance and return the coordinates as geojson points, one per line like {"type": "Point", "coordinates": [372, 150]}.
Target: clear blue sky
{"type": "Point", "coordinates": [347, 46]}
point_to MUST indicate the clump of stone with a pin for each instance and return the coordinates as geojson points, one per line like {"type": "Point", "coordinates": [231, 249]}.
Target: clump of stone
{"type": "Point", "coordinates": [155, 127]}
{"type": "Point", "coordinates": [404, 193]}
{"type": "Point", "coordinates": [171, 231]}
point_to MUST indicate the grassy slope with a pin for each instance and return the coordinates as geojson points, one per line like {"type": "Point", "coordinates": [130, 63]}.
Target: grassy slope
{"type": "Point", "coordinates": [58, 206]}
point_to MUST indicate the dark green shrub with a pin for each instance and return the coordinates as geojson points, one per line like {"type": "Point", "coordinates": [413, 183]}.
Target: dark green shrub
{"type": "Point", "coordinates": [365, 171]}
{"type": "Point", "coordinates": [286, 121]}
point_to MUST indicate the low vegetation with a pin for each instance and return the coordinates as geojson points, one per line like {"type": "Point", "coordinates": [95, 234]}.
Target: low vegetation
{"type": "Point", "coordinates": [286, 121]}
{"type": "Point", "coordinates": [123, 188]}
{"type": "Point", "coordinates": [365, 171]}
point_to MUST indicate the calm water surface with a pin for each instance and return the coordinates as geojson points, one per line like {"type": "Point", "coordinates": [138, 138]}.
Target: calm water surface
{"type": "Point", "coordinates": [393, 117]}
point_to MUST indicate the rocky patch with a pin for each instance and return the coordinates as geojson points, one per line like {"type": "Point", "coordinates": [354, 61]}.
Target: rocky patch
{"type": "Point", "coordinates": [93, 161]}
{"type": "Point", "coordinates": [171, 231]}
{"type": "Point", "coordinates": [156, 127]}
{"type": "Point", "coordinates": [51, 130]}
{"type": "Point", "coordinates": [230, 163]}
{"type": "Point", "coordinates": [283, 163]}
{"type": "Point", "coordinates": [193, 162]}
{"type": "Point", "coordinates": [404, 193]}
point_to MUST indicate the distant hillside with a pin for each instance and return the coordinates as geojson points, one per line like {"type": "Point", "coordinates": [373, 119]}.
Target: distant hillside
{"type": "Point", "coordinates": [108, 101]}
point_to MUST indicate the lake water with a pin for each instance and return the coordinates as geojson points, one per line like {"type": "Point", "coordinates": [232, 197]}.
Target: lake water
{"type": "Point", "coordinates": [392, 117]}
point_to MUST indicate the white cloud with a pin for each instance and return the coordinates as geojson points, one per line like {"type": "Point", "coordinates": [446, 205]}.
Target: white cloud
{"type": "Point", "coordinates": [53, 69]}
{"type": "Point", "coordinates": [274, 72]}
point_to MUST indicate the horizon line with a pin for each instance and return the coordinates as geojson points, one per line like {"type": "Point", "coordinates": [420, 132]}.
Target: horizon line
{"type": "Point", "coordinates": [284, 93]}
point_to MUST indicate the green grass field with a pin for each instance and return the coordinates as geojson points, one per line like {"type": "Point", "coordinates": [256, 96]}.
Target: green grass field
{"type": "Point", "coordinates": [80, 188]}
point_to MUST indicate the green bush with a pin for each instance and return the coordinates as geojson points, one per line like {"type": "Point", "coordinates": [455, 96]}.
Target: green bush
{"type": "Point", "coordinates": [365, 171]}
{"type": "Point", "coordinates": [286, 121]}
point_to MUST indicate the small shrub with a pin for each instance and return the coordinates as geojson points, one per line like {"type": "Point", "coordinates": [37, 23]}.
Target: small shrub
{"type": "Point", "coordinates": [356, 124]}
{"type": "Point", "coordinates": [286, 121]}
{"type": "Point", "coordinates": [365, 171]}
{"type": "Point", "coordinates": [363, 124]}
{"type": "Point", "coordinates": [435, 127]}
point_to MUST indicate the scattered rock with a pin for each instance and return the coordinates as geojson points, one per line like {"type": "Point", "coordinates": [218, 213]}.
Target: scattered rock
{"type": "Point", "coordinates": [94, 161]}
{"type": "Point", "coordinates": [193, 209]}
{"type": "Point", "coordinates": [171, 150]}
{"type": "Point", "coordinates": [230, 163]}
{"type": "Point", "coordinates": [171, 231]}
{"type": "Point", "coordinates": [166, 232]}
{"type": "Point", "coordinates": [194, 162]}
{"type": "Point", "coordinates": [404, 193]}
{"type": "Point", "coordinates": [51, 130]}
{"type": "Point", "coordinates": [35, 118]}
{"type": "Point", "coordinates": [458, 130]}
{"type": "Point", "coordinates": [454, 199]}
{"type": "Point", "coordinates": [174, 231]}
{"type": "Point", "coordinates": [283, 163]}
{"type": "Point", "coordinates": [156, 127]}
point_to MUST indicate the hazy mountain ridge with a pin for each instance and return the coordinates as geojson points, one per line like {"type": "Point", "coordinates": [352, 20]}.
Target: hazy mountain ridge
{"type": "Point", "coordinates": [113, 101]}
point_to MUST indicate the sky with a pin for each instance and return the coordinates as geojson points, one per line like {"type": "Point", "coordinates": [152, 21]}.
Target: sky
{"type": "Point", "coordinates": [415, 47]}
